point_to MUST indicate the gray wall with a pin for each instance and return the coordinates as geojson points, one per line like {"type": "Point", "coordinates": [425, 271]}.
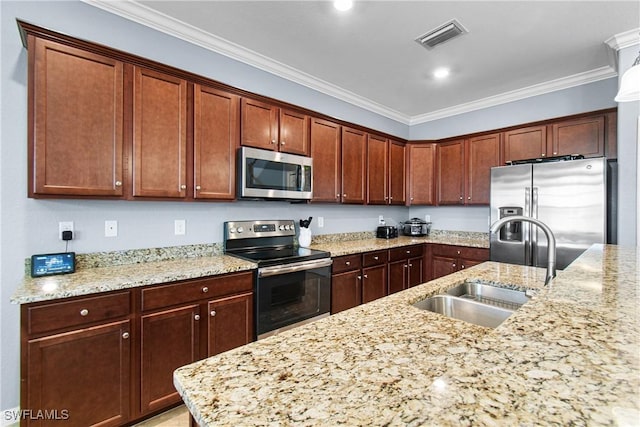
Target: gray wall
{"type": "Point", "coordinates": [29, 226]}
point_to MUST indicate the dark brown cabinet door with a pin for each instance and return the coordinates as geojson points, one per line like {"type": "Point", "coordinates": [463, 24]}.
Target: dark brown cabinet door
{"type": "Point", "coordinates": [346, 289]}
{"type": "Point", "coordinates": [442, 266]}
{"type": "Point", "coordinates": [482, 153]}
{"type": "Point", "coordinates": [230, 323]}
{"type": "Point", "coordinates": [466, 263]}
{"type": "Point", "coordinates": [397, 276]}
{"type": "Point", "coordinates": [216, 130]}
{"type": "Point", "coordinates": [325, 151]}
{"type": "Point", "coordinates": [582, 136]}
{"type": "Point", "coordinates": [160, 135]}
{"type": "Point", "coordinates": [170, 339]}
{"type": "Point", "coordinates": [525, 143]}
{"type": "Point", "coordinates": [353, 166]}
{"type": "Point", "coordinates": [84, 372]}
{"type": "Point", "coordinates": [294, 133]}
{"type": "Point", "coordinates": [414, 272]}
{"type": "Point", "coordinates": [76, 134]}
{"type": "Point", "coordinates": [374, 283]}
{"type": "Point", "coordinates": [259, 124]}
{"type": "Point", "coordinates": [397, 170]}
{"type": "Point", "coordinates": [450, 164]}
{"type": "Point", "coordinates": [377, 171]}
{"type": "Point", "coordinates": [422, 177]}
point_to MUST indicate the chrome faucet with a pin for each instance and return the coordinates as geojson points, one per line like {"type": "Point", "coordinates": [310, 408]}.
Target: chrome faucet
{"type": "Point", "coordinates": [551, 239]}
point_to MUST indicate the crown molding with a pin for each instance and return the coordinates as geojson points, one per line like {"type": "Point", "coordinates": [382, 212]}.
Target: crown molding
{"type": "Point", "coordinates": [624, 40]}
{"type": "Point", "coordinates": [148, 17]}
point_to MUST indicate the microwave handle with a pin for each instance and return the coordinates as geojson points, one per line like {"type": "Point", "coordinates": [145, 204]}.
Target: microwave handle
{"type": "Point", "coordinates": [301, 177]}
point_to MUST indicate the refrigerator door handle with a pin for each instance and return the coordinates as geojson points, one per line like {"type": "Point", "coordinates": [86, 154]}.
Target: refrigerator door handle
{"type": "Point", "coordinates": [534, 230]}
{"type": "Point", "coordinates": [526, 227]}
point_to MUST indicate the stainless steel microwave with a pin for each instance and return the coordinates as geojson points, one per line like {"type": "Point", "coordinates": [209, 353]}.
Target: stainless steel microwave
{"type": "Point", "coordinates": [265, 174]}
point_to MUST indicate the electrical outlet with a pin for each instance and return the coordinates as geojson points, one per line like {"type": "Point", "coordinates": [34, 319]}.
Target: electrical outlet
{"type": "Point", "coordinates": [180, 227]}
{"type": "Point", "coordinates": [380, 219]}
{"type": "Point", "coordinates": [320, 221]}
{"type": "Point", "coordinates": [64, 226]}
{"type": "Point", "coordinates": [110, 228]}
{"type": "Point", "coordinates": [427, 218]}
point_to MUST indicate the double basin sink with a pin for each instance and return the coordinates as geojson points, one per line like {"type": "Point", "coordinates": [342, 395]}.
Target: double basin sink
{"type": "Point", "coordinates": [476, 302]}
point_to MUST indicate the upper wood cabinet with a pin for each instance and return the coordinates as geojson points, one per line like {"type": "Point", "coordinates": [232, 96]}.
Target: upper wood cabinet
{"type": "Point", "coordinates": [464, 168]}
{"type": "Point", "coordinates": [159, 135]}
{"type": "Point", "coordinates": [421, 176]}
{"type": "Point", "coordinates": [354, 163]}
{"type": "Point", "coordinates": [326, 155]}
{"type": "Point", "coordinates": [397, 171]}
{"type": "Point", "coordinates": [216, 126]}
{"type": "Point", "coordinates": [377, 170]}
{"type": "Point", "coordinates": [271, 128]}
{"type": "Point", "coordinates": [585, 136]}
{"type": "Point", "coordinates": [76, 122]}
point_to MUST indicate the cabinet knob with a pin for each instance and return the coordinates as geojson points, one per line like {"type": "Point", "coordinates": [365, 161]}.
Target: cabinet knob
{"type": "Point", "coordinates": [411, 198]}
{"type": "Point", "coordinates": [469, 198]}
{"type": "Point", "coordinates": [405, 265]}
{"type": "Point", "coordinates": [183, 187]}
{"type": "Point", "coordinates": [344, 195]}
{"type": "Point", "coordinates": [460, 197]}
{"type": "Point", "coordinates": [555, 153]}
{"type": "Point", "coordinates": [366, 277]}
{"type": "Point", "coordinates": [273, 141]}
{"type": "Point", "coordinates": [84, 312]}
{"type": "Point", "coordinates": [410, 265]}
{"type": "Point", "coordinates": [386, 198]}
{"type": "Point", "coordinates": [543, 154]}
{"type": "Point", "coordinates": [409, 252]}
{"type": "Point", "coordinates": [462, 266]}
{"type": "Point", "coordinates": [453, 265]}
{"type": "Point", "coordinates": [359, 277]}
{"type": "Point", "coordinates": [338, 195]}
{"type": "Point", "coordinates": [213, 313]}
{"type": "Point", "coordinates": [376, 258]}
{"type": "Point", "coordinates": [205, 290]}
{"type": "Point", "coordinates": [196, 317]}
{"type": "Point", "coordinates": [198, 187]}
{"type": "Point", "coordinates": [281, 142]}
{"type": "Point", "coordinates": [458, 252]}
{"type": "Point", "coordinates": [347, 263]}
{"type": "Point", "coordinates": [118, 183]}
{"type": "Point", "coordinates": [390, 197]}
{"type": "Point", "coordinates": [125, 335]}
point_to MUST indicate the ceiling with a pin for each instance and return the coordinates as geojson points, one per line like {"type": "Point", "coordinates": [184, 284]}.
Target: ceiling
{"type": "Point", "coordinates": [368, 57]}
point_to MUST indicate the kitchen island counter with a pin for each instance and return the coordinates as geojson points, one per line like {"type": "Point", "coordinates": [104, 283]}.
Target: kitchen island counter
{"type": "Point", "coordinates": [569, 356]}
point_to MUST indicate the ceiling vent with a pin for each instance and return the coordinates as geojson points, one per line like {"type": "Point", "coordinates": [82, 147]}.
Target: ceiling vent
{"type": "Point", "coordinates": [443, 33]}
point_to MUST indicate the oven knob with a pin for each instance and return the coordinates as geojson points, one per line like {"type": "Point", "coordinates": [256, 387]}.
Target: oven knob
{"type": "Point", "coordinates": [240, 229]}
{"type": "Point", "coordinates": [232, 230]}
{"type": "Point", "coordinates": [281, 227]}
{"type": "Point", "coordinates": [287, 227]}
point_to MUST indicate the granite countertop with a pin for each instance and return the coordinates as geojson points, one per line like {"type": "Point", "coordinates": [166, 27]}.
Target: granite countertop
{"type": "Point", "coordinates": [570, 356]}
{"type": "Point", "coordinates": [110, 271]}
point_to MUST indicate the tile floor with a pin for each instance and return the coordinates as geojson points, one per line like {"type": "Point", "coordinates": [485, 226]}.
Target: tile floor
{"type": "Point", "coordinates": [176, 417]}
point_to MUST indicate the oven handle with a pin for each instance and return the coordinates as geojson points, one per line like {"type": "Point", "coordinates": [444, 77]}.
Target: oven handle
{"type": "Point", "coordinates": [292, 268]}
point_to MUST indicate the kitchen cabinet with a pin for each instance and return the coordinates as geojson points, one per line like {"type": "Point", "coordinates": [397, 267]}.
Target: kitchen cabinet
{"type": "Point", "coordinates": [464, 167]}
{"type": "Point", "coordinates": [76, 359]}
{"type": "Point", "coordinates": [216, 136]}
{"type": "Point", "coordinates": [584, 135]}
{"type": "Point", "coordinates": [269, 127]}
{"type": "Point", "coordinates": [327, 159]}
{"type": "Point", "coordinates": [159, 135]}
{"type": "Point", "coordinates": [421, 181]}
{"type": "Point", "coordinates": [358, 279]}
{"type": "Point", "coordinates": [75, 129]}
{"type": "Point", "coordinates": [405, 267]}
{"type": "Point", "coordinates": [354, 166]}
{"type": "Point", "coordinates": [199, 318]}
{"type": "Point", "coordinates": [447, 259]}
{"type": "Point", "coordinates": [385, 171]}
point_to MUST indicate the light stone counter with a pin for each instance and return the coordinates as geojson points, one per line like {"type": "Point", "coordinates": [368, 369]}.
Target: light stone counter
{"type": "Point", "coordinates": [570, 356]}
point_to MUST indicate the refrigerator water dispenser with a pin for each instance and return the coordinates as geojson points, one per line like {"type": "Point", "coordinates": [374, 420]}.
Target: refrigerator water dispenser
{"type": "Point", "coordinates": [512, 231]}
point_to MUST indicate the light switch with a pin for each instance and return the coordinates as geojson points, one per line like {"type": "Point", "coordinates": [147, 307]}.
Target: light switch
{"type": "Point", "coordinates": [110, 228]}
{"type": "Point", "coordinates": [180, 227]}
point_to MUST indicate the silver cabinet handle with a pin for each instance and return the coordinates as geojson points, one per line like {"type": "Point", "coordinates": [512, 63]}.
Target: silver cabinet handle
{"type": "Point", "coordinates": [460, 197]}
{"type": "Point", "coordinates": [213, 313]}
{"type": "Point", "coordinates": [390, 197]}
{"type": "Point", "coordinates": [453, 265]}
{"type": "Point", "coordinates": [405, 265]}
{"type": "Point", "coordinates": [359, 277]}
{"type": "Point", "coordinates": [458, 252]}
{"type": "Point", "coordinates": [348, 263]}
{"type": "Point", "coordinates": [409, 252]}
{"type": "Point", "coordinates": [205, 290]}
{"type": "Point", "coordinates": [411, 198]}
{"type": "Point", "coordinates": [273, 141]}
{"type": "Point", "coordinates": [385, 197]}
{"type": "Point", "coordinates": [196, 317]}
{"type": "Point", "coordinates": [462, 266]}
{"type": "Point", "coordinates": [366, 277]}
{"type": "Point", "coordinates": [555, 153]}
{"type": "Point", "coordinates": [84, 312]}
{"type": "Point", "coordinates": [344, 195]}
{"type": "Point", "coordinates": [543, 154]}
{"type": "Point", "coordinates": [198, 187]}
{"type": "Point", "coordinates": [410, 265]}
{"type": "Point", "coordinates": [281, 142]}
{"type": "Point", "coordinates": [118, 183]}
{"type": "Point", "coordinates": [376, 258]}
{"type": "Point", "coordinates": [183, 187]}
{"type": "Point", "coordinates": [125, 335]}
{"type": "Point", "coordinates": [469, 198]}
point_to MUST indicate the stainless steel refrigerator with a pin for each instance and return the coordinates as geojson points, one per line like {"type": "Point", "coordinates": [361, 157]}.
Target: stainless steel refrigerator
{"type": "Point", "coordinates": [569, 196]}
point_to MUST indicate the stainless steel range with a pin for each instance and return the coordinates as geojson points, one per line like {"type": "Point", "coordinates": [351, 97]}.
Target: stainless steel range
{"type": "Point", "coordinates": [293, 284]}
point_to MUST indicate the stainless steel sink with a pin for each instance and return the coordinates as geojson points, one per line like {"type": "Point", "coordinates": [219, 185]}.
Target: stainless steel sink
{"type": "Point", "coordinates": [466, 310]}
{"type": "Point", "coordinates": [491, 295]}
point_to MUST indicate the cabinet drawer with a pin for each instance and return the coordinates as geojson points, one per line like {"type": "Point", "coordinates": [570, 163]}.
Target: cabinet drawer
{"type": "Point", "coordinates": [405, 252]}
{"type": "Point", "coordinates": [374, 258]}
{"type": "Point", "coordinates": [59, 315]}
{"type": "Point", "coordinates": [194, 290]}
{"type": "Point", "coordinates": [346, 263]}
{"type": "Point", "coordinates": [447, 251]}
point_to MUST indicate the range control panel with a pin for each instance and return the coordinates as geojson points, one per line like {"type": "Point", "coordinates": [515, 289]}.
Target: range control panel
{"type": "Point", "coordinates": [260, 228]}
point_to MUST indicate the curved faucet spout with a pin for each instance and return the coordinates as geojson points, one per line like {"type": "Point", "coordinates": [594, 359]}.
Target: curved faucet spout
{"type": "Point", "coordinates": [551, 239]}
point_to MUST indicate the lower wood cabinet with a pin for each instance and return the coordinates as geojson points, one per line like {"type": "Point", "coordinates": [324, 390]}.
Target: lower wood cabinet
{"type": "Point", "coordinates": [108, 359]}
{"type": "Point", "coordinates": [358, 279]}
{"type": "Point", "coordinates": [405, 267]}
{"type": "Point", "coordinates": [447, 259]}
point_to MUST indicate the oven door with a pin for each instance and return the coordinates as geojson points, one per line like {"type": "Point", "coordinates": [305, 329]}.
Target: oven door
{"type": "Point", "coordinates": [292, 294]}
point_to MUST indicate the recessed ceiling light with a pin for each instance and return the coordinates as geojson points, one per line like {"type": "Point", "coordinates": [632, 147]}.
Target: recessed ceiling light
{"type": "Point", "coordinates": [343, 5]}
{"type": "Point", "coordinates": [441, 73]}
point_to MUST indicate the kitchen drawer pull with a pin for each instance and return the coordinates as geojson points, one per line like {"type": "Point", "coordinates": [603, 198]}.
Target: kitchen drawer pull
{"type": "Point", "coordinates": [462, 266]}
{"type": "Point", "coordinates": [84, 312]}
{"type": "Point", "coordinates": [125, 335]}
{"type": "Point", "coordinates": [409, 252]}
{"type": "Point", "coordinates": [118, 183]}
{"type": "Point", "coordinates": [359, 277]}
{"type": "Point", "coordinates": [347, 263]}
{"type": "Point", "coordinates": [366, 277]}
{"type": "Point", "coordinates": [205, 290]}
{"type": "Point", "coordinates": [213, 313]}
{"type": "Point", "coordinates": [405, 265]}
{"type": "Point", "coordinates": [183, 187]}
{"type": "Point", "coordinates": [196, 317]}
{"type": "Point", "coordinates": [458, 252]}
{"type": "Point", "coordinates": [198, 187]}
{"type": "Point", "coordinates": [273, 141]}
{"type": "Point", "coordinates": [453, 265]}
{"type": "Point", "coordinates": [282, 143]}
{"type": "Point", "coordinates": [410, 265]}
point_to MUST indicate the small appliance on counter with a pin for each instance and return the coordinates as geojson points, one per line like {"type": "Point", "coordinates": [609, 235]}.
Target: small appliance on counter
{"type": "Point", "coordinates": [387, 232]}
{"type": "Point", "coordinates": [415, 227]}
